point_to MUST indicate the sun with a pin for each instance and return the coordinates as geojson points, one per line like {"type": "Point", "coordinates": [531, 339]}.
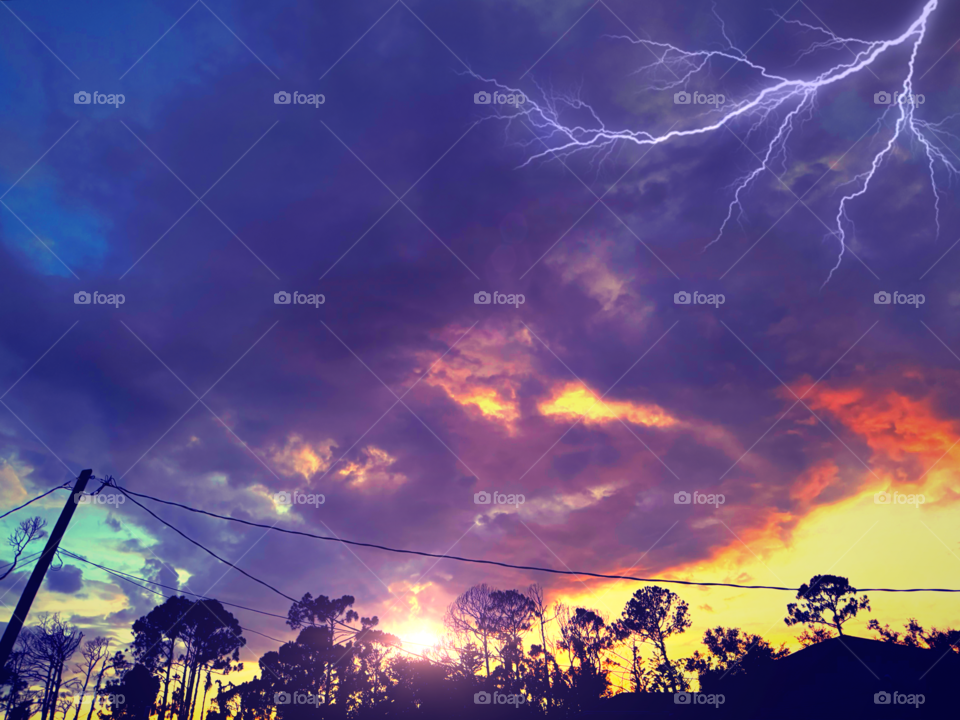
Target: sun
{"type": "Point", "coordinates": [418, 636]}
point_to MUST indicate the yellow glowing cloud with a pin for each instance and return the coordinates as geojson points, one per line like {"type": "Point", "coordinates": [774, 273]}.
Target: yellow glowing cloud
{"type": "Point", "coordinates": [573, 400]}
{"type": "Point", "coordinates": [373, 474]}
{"type": "Point", "coordinates": [485, 370]}
{"type": "Point", "coordinates": [298, 457]}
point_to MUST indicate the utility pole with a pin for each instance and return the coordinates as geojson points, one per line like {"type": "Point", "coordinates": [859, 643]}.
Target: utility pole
{"type": "Point", "coordinates": [40, 569]}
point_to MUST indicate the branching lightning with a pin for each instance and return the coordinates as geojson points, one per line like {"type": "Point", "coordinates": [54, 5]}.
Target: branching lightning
{"type": "Point", "coordinates": [780, 105]}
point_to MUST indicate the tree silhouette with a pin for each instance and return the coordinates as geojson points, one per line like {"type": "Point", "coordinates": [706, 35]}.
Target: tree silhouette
{"type": "Point", "coordinates": [117, 664]}
{"type": "Point", "coordinates": [155, 639]}
{"type": "Point", "coordinates": [94, 652]}
{"type": "Point", "coordinates": [133, 696]}
{"type": "Point", "coordinates": [48, 646]}
{"type": "Point", "coordinates": [731, 652]}
{"type": "Point", "coordinates": [916, 636]}
{"type": "Point", "coordinates": [585, 636]}
{"type": "Point", "coordinates": [27, 532]}
{"type": "Point", "coordinates": [472, 613]}
{"type": "Point", "coordinates": [828, 601]}
{"type": "Point", "coordinates": [323, 611]}
{"type": "Point", "coordinates": [538, 599]}
{"type": "Point", "coordinates": [510, 615]}
{"type": "Point", "coordinates": [654, 614]}
{"type": "Point", "coordinates": [213, 639]}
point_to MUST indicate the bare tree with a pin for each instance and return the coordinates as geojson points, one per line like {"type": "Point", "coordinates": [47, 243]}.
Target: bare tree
{"type": "Point", "coordinates": [472, 614]}
{"type": "Point", "coordinates": [117, 663]}
{"type": "Point", "coordinates": [538, 598]}
{"type": "Point", "coordinates": [27, 532]}
{"type": "Point", "coordinates": [93, 653]}
{"type": "Point", "coordinates": [48, 647]}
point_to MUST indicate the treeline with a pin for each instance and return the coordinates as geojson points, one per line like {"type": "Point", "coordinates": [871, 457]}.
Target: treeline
{"type": "Point", "coordinates": [502, 647]}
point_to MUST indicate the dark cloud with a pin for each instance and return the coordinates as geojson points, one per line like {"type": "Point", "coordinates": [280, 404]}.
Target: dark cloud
{"type": "Point", "coordinates": [67, 579]}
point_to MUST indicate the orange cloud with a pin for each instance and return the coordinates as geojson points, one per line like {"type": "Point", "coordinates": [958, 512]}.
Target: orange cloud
{"type": "Point", "coordinates": [484, 371]}
{"type": "Point", "coordinates": [903, 432]}
{"type": "Point", "coordinates": [812, 482]}
{"type": "Point", "coordinates": [891, 423]}
{"type": "Point", "coordinates": [298, 457]}
{"type": "Point", "coordinates": [374, 473]}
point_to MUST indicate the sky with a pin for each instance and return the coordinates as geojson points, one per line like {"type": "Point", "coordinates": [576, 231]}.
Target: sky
{"type": "Point", "coordinates": [401, 201]}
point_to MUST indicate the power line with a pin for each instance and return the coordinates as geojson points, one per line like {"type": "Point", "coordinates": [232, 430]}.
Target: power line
{"type": "Point", "coordinates": [127, 577]}
{"type": "Point", "coordinates": [27, 559]}
{"type": "Point", "coordinates": [211, 552]}
{"type": "Point", "coordinates": [244, 572]}
{"type": "Point", "coordinates": [484, 562]}
{"type": "Point", "coordinates": [124, 576]}
{"type": "Point", "coordinates": [157, 592]}
{"type": "Point", "coordinates": [21, 507]}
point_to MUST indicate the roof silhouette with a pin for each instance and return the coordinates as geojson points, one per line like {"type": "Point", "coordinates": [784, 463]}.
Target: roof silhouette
{"type": "Point", "coordinates": [836, 678]}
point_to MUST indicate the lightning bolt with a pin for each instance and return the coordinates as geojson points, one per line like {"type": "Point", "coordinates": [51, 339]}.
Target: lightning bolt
{"type": "Point", "coordinates": [781, 104]}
